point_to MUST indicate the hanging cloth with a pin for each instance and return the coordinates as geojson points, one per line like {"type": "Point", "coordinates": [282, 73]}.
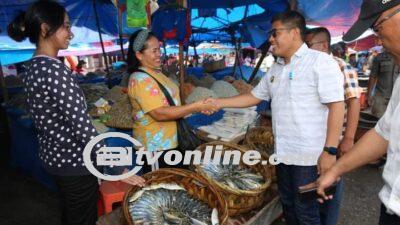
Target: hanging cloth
{"type": "Point", "coordinates": [136, 13]}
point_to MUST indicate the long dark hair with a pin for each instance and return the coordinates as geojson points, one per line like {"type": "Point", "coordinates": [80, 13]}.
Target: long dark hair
{"type": "Point", "coordinates": [132, 61]}
{"type": "Point", "coordinates": [28, 24]}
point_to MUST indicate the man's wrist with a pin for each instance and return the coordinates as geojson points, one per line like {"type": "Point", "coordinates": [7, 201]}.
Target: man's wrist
{"type": "Point", "coordinates": [331, 150]}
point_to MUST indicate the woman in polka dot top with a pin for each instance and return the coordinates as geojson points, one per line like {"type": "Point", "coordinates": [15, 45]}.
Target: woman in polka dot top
{"type": "Point", "coordinates": [58, 108]}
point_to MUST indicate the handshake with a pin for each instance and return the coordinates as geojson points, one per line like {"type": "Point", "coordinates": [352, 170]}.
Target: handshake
{"type": "Point", "coordinates": [208, 106]}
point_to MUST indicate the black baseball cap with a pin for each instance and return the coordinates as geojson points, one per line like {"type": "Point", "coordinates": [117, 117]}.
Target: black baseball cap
{"type": "Point", "coordinates": [370, 12]}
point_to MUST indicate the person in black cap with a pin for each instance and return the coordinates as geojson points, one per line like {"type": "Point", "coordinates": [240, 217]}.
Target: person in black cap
{"type": "Point", "coordinates": [383, 16]}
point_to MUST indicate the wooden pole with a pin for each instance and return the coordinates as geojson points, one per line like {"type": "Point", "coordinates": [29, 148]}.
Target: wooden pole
{"type": "Point", "coordinates": [264, 51]}
{"type": "Point", "coordinates": [165, 51]}
{"type": "Point", "coordinates": [3, 84]}
{"type": "Point", "coordinates": [187, 58]}
{"type": "Point", "coordinates": [253, 74]}
{"type": "Point", "coordinates": [196, 57]}
{"type": "Point", "coordinates": [181, 73]}
{"type": "Point", "coordinates": [102, 44]}
{"type": "Point", "coordinates": [120, 33]}
{"type": "Point", "coordinates": [293, 5]}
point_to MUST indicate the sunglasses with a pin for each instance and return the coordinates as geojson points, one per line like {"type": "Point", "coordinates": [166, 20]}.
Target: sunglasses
{"type": "Point", "coordinates": [375, 27]}
{"type": "Point", "coordinates": [273, 32]}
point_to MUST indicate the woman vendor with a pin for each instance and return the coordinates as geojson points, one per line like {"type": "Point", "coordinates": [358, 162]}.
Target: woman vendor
{"type": "Point", "coordinates": [155, 119]}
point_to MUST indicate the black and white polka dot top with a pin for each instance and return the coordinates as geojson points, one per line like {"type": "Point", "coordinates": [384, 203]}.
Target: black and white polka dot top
{"type": "Point", "coordinates": [58, 108]}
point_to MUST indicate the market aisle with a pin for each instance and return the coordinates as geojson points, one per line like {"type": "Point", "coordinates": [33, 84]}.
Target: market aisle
{"type": "Point", "coordinates": [24, 201]}
{"type": "Point", "coordinates": [360, 204]}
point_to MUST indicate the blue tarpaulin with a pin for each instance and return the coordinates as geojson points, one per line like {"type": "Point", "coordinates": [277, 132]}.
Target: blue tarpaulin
{"type": "Point", "coordinates": [82, 18]}
{"type": "Point", "coordinates": [250, 19]}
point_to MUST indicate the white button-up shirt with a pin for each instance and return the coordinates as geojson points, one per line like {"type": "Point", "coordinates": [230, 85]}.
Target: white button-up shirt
{"type": "Point", "coordinates": [298, 92]}
{"type": "Point", "coordinates": [389, 128]}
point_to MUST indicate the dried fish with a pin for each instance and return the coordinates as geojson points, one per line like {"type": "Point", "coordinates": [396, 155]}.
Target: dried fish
{"type": "Point", "coordinates": [234, 176]}
{"type": "Point", "coordinates": [168, 204]}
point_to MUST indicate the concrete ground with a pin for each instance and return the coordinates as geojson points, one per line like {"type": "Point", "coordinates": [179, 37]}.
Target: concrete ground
{"type": "Point", "coordinates": [360, 204]}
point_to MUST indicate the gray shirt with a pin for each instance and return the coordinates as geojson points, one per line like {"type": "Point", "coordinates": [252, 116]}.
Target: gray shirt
{"type": "Point", "coordinates": [386, 72]}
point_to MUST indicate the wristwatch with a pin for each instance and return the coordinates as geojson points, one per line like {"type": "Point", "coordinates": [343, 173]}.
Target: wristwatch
{"type": "Point", "coordinates": [331, 150]}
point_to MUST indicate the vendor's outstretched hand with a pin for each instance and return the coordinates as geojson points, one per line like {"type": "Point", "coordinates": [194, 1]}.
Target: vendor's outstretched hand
{"type": "Point", "coordinates": [134, 180]}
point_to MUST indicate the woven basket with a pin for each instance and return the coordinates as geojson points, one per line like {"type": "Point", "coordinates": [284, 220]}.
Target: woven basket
{"type": "Point", "coordinates": [115, 94]}
{"type": "Point", "coordinates": [121, 115]}
{"type": "Point", "coordinates": [261, 139]}
{"type": "Point", "coordinates": [239, 201]}
{"type": "Point", "coordinates": [194, 184]}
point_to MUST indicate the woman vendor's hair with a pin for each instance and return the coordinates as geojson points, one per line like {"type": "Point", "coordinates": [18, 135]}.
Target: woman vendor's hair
{"type": "Point", "coordinates": [28, 24]}
{"type": "Point", "coordinates": [132, 61]}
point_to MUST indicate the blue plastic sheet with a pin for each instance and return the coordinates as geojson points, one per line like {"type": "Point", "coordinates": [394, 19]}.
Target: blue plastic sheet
{"type": "Point", "coordinates": [196, 71]}
{"type": "Point", "coordinates": [197, 120]}
{"type": "Point", "coordinates": [25, 147]}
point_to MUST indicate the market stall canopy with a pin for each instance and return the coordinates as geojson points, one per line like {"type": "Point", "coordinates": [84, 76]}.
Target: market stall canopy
{"type": "Point", "coordinates": [216, 20]}
{"type": "Point", "coordinates": [211, 20]}
{"type": "Point", "coordinates": [336, 15]}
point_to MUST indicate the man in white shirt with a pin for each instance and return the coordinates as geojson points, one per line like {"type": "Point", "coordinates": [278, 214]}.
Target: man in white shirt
{"type": "Point", "coordinates": [306, 92]}
{"type": "Point", "coordinates": [319, 39]}
{"type": "Point", "coordinates": [384, 18]}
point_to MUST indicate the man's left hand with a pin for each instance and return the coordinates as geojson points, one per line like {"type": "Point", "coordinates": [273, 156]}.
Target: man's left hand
{"type": "Point", "coordinates": [345, 145]}
{"type": "Point", "coordinates": [325, 162]}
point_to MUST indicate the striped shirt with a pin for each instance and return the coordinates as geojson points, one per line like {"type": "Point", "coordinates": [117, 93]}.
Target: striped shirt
{"type": "Point", "coordinates": [298, 92]}
{"type": "Point", "coordinates": [389, 128]}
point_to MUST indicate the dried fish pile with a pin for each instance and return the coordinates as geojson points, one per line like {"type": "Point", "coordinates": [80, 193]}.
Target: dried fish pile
{"type": "Point", "coordinates": [169, 204]}
{"type": "Point", "coordinates": [93, 92]}
{"type": "Point", "coordinates": [224, 89]}
{"type": "Point", "coordinates": [200, 93]}
{"type": "Point", "coordinates": [234, 176]}
{"type": "Point", "coordinates": [242, 87]}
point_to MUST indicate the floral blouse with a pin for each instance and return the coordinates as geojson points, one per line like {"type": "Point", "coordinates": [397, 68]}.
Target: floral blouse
{"type": "Point", "coordinates": [145, 96]}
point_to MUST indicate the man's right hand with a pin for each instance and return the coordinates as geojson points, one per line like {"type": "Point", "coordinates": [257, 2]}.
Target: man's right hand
{"type": "Point", "coordinates": [208, 106]}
